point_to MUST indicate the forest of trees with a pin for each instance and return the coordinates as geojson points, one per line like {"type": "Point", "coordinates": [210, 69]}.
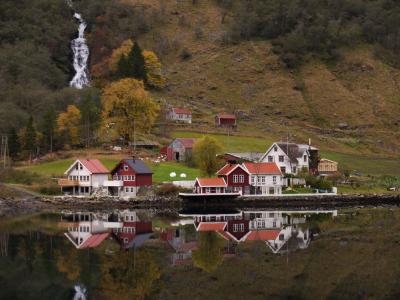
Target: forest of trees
{"type": "Point", "coordinates": [301, 28]}
{"type": "Point", "coordinates": [38, 111]}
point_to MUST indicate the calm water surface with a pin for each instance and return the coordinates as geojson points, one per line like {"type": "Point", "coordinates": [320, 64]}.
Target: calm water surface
{"type": "Point", "coordinates": [202, 254]}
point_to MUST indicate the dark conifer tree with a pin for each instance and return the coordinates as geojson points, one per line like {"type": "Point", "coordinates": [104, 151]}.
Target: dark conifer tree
{"type": "Point", "coordinates": [30, 138]}
{"type": "Point", "coordinates": [135, 61]}
{"type": "Point", "coordinates": [13, 143]}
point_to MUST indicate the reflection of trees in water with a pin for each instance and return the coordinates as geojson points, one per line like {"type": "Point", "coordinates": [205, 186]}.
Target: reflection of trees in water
{"type": "Point", "coordinates": [209, 255]}
{"type": "Point", "coordinates": [128, 275]}
{"type": "Point", "coordinates": [4, 238]}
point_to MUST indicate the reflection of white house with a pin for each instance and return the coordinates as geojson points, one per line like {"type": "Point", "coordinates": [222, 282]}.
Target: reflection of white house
{"type": "Point", "coordinates": [266, 219]}
{"type": "Point", "coordinates": [85, 230]}
{"type": "Point", "coordinates": [289, 157]}
{"type": "Point", "coordinates": [290, 238]}
{"type": "Point", "coordinates": [83, 177]}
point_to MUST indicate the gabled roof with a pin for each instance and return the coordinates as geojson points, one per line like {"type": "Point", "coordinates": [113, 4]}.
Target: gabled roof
{"type": "Point", "coordinates": [226, 116]}
{"type": "Point", "coordinates": [186, 142]}
{"type": "Point", "coordinates": [139, 166]}
{"type": "Point", "coordinates": [292, 150]}
{"type": "Point", "coordinates": [262, 235]}
{"type": "Point", "coordinates": [211, 226]}
{"type": "Point", "coordinates": [328, 160]}
{"type": "Point", "coordinates": [136, 164]}
{"type": "Point", "coordinates": [228, 168]}
{"type": "Point", "coordinates": [94, 241]}
{"type": "Point", "coordinates": [211, 182]}
{"type": "Point", "coordinates": [94, 166]}
{"type": "Point", "coordinates": [269, 168]}
{"type": "Point", "coordinates": [181, 111]}
{"type": "Point", "coordinates": [249, 156]}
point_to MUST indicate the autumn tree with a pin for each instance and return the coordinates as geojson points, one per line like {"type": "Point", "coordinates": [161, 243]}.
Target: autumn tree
{"type": "Point", "coordinates": [68, 125]}
{"type": "Point", "coordinates": [205, 152]}
{"type": "Point", "coordinates": [127, 107]}
{"type": "Point", "coordinates": [154, 77]}
{"type": "Point", "coordinates": [209, 255]}
{"type": "Point", "coordinates": [118, 53]}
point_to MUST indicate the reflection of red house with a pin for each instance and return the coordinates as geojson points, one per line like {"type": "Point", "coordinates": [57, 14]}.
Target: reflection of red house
{"type": "Point", "coordinates": [236, 178]}
{"type": "Point", "coordinates": [133, 234]}
{"type": "Point", "coordinates": [225, 120]}
{"type": "Point", "coordinates": [263, 235]}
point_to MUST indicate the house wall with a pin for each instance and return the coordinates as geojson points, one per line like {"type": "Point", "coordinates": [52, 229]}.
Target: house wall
{"type": "Point", "coordinates": [225, 122]}
{"type": "Point", "coordinates": [85, 187]}
{"type": "Point", "coordinates": [260, 187]}
{"type": "Point", "coordinates": [242, 187]}
{"type": "Point", "coordinates": [185, 118]}
{"type": "Point", "coordinates": [120, 171]}
{"type": "Point", "coordinates": [238, 234]}
{"type": "Point", "coordinates": [204, 190]}
{"type": "Point", "coordinates": [275, 158]}
{"type": "Point", "coordinates": [325, 166]}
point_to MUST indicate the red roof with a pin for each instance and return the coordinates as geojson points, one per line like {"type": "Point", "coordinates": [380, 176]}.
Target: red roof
{"type": "Point", "coordinates": [263, 168]}
{"type": "Point", "coordinates": [94, 241]}
{"type": "Point", "coordinates": [211, 182]}
{"type": "Point", "coordinates": [225, 170]}
{"type": "Point", "coordinates": [214, 226]}
{"type": "Point", "coordinates": [182, 111]}
{"type": "Point", "coordinates": [263, 235]}
{"type": "Point", "coordinates": [226, 116]}
{"type": "Point", "coordinates": [187, 142]}
{"type": "Point", "coordinates": [94, 166]}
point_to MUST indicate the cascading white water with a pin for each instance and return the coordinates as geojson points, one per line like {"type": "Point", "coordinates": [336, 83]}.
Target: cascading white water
{"type": "Point", "coordinates": [80, 293]}
{"type": "Point", "coordinates": [81, 54]}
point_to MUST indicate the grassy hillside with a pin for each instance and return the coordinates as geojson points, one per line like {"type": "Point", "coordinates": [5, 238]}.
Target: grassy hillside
{"type": "Point", "coordinates": [247, 78]}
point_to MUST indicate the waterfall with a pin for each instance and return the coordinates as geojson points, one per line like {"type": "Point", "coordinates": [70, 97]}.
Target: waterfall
{"type": "Point", "coordinates": [80, 293]}
{"type": "Point", "coordinates": [81, 54]}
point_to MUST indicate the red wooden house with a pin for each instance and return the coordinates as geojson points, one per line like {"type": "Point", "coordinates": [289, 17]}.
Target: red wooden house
{"type": "Point", "coordinates": [225, 120]}
{"type": "Point", "coordinates": [134, 174]}
{"type": "Point", "coordinates": [236, 178]}
{"type": "Point", "coordinates": [210, 186]}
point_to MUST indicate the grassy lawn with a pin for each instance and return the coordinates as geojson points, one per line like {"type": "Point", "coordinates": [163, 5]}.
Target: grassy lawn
{"type": "Point", "coordinates": [367, 165]}
{"type": "Point", "coordinates": [231, 143]}
{"type": "Point", "coordinates": [162, 171]}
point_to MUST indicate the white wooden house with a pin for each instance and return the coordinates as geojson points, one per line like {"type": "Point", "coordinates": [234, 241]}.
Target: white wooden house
{"type": "Point", "coordinates": [180, 115]}
{"type": "Point", "coordinates": [83, 177]}
{"type": "Point", "coordinates": [290, 158]}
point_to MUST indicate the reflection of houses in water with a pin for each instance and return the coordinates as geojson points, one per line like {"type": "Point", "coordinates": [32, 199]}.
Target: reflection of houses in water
{"type": "Point", "coordinates": [183, 246]}
{"type": "Point", "coordinates": [89, 230]}
{"type": "Point", "coordinates": [280, 230]}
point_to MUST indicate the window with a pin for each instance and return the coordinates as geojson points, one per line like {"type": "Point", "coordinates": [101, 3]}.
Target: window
{"type": "Point", "coordinates": [241, 227]}
{"type": "Point", "coordinates": [271, 190]}
{"type": "Point", "coordinates": [133, 177]}
{"type": "Point", "coordinates": [270, 158]}
{"type": "Point", "coordinates": [80, 167]}
{"type": "Point", "coordinates": [294, 169]}
{"type": "Point", "coordinates": [77, 166]}
{"type": "Point", "coordinates": [274, 179]}
{"type": "Point", "coordinates": [253, 179]}
{"type": "Point", "coordinates": [271, 215]}
{"type": "Point", "coordinates": [281, 158]}
{"type": "Point", "coordinates": [238, 227]}
{"type": "Point", "coordinates": [281, 237]}
{"type": "Point", "coordinates": [274, 224]}
{"type": "Point", "coordinates": [275, 148]}
{"type": "Point", "coordinates": [125, 168]}
{"type": "Point", "coordinates": [241, 178]}
{"type": "Point", "coordinates": [283, 170]}
{"type": "Point", "coordinates": [127, 190]}
{"type": "Point", "coordinates": [305, 158]}
{"type": "Point", "coordinates": [235, 178]}
{"type": "Point", "coordinates": [261, 224]}
{"type": "Point", "coordinates": [208, 190]}
{"type": "Point", "coordinates": [261, 179]}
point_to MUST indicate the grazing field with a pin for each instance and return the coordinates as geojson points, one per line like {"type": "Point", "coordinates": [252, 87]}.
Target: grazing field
{"type": "Point", "coordinates": [161, 170]}
{"type": "Point", "coordinates": [364, 164]}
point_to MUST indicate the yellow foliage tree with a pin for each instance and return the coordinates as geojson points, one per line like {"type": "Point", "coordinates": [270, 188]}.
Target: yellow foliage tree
{"type": "Point", "coordinates": [127, 106]}
{"type": "Point", "coordinates": [153, 70]}
{"type": "Point", "coordinates": [205, 151]}
{"type": "Point", "coordinates": [116, 55]}
{"type": "Point", "coordinates": [154, 77]}
{"type": "Point", "coordinates": [68, 123]}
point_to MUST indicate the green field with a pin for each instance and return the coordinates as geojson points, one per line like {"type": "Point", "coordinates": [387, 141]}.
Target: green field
{"type": "Point", "coordinates": [367, 165]}
{"type": "Point", "coordinates": [161, 170]}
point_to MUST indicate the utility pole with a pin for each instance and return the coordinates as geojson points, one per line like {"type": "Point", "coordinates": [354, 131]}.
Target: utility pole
{"type": "Point", "coordinates": [4, 150]}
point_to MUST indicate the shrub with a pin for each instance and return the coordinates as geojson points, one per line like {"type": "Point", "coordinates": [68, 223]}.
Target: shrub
{"type": "Point", "coordinates": [167, 190]}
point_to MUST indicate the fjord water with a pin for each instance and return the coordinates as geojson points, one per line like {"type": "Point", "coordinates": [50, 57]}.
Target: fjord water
{"type": "Point", "coordinates": [193, 254]}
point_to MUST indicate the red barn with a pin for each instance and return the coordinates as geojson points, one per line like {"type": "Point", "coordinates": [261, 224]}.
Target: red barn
{"type": "Point", "coordinates": [236, 178]}
{"type": "Point", "coordinates": [180, 149]}
{"type": "Point", "coordinates": [134, 174]}
{"type": "Point", "coordinates": [225, 120]}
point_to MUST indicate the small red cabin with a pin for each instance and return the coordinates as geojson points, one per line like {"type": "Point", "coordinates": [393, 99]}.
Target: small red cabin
{"type": "Point", "coordinates": [225, 120]}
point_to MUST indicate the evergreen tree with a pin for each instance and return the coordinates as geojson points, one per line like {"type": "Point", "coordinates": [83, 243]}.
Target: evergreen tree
{"type": "Point", "coordinates": [136, 64]}
{"type": "Point", "coordinates": [13, 143]}
{"type": "Point", "coordinates": [49, 126]}
{"type": "Point", "coordinates": [122, 67]}
{"type": "Point", "coordinates": [90, 114]}
{"type": "Point", "coordinates": [30, 137]}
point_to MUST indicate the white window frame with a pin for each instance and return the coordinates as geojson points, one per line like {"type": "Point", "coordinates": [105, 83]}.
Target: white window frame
{"type": "Point", "coordinates": [235, 178]}
{"type": "Point", "coordinates": [241, 178]}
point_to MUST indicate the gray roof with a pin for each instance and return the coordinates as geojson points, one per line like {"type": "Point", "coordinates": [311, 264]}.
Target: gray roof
{"type": "Point", "coordinates": [139, 166]}
{"type": "Point", "coordinates": [294, 151]}
{"type": "Point", "coordinates": [249, 156]}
